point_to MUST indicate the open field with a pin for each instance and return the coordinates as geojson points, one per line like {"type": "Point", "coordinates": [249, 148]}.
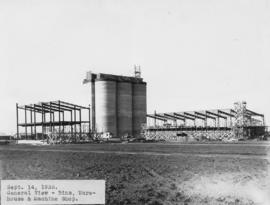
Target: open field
{"type": "Point", "coordinates": [151, 173]}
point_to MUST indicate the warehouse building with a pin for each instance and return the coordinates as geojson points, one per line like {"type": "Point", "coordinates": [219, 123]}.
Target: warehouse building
{"type": "Point", "coordinates": [237, 122]}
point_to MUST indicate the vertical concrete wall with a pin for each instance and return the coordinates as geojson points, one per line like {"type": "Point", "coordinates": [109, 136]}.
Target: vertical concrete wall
{"type": "Point", "coordinates": [138, 107]}
{"type": "Point", "coordinates": [105, 104]}
{"type": "Point", "coordinates": [93, 107]}
{"type": "Point", "coordinates": [124, 108]}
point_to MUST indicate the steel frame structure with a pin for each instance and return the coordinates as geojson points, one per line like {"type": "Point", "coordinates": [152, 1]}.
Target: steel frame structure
{"type": "Point", "coordinates": [216, 115]}
{"type": "Point", "coordinates": [54, 109]}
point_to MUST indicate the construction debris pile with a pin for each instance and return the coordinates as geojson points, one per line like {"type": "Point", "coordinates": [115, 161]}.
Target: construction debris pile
{"type": "Point", "coordinates": [190, 136]}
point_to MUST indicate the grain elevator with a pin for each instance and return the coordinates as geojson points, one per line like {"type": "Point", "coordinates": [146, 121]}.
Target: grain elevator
{"type": "Point", "coordinates": [118, 103]}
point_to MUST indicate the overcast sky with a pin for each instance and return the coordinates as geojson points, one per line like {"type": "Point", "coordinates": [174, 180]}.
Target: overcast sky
{"type": "Point", "coordinates": [194, 54]}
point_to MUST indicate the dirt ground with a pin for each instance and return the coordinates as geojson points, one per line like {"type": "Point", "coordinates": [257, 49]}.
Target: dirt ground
{"type": "Point", "coordinates": [152, 173]}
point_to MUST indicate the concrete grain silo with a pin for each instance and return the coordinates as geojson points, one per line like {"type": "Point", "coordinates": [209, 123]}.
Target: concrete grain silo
{"type": "Point", "coordinates": [139, 107]}
{"type": "Point", "coordinates": [118, 104]}
{"type": "Point", "coordinates": [93, 104]}
{"type": "Point", "coordinates": [105, 105]}
{"type": "Point", "coordinates": [124, 108]}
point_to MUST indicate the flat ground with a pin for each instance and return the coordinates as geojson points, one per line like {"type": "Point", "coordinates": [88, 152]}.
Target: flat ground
{"type": "Point", "coordinates": [151, 173]}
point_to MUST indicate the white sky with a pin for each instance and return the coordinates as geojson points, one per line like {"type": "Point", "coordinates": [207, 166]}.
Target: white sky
{"type": "Point", "coordinates": [194, 54]}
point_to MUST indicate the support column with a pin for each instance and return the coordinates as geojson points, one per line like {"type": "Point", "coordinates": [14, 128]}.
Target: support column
{"type": "Point", "coordinates": [25, 122]}
{"type": "Point", "coordinates": [59, 119]}
{"type": "Point", "coordinates": [31, 120]}
{"type": "Point", "coordinates": [42, 123]}
{"type": "Point", "coordinates": [44, 116]}
{"type": "Point", "coordinates": [35, 121]}
{"type": "Point", "coordinates": [71, 127]}
{"type": "Point", "coordinates": [63, 131]}
{"type": "Point", "coordinates": [80, 116]}
{"type": "Point", "coordinates": [75, 128]}
{"type": "Point", "coordinates": [17, 119]}
{"type": "Point", "coordinates": [89, 116]}
{"type": "Point", "coordinates": [50, 118]}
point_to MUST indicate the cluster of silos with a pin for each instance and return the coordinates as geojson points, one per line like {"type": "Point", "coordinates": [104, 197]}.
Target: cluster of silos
{"type": "Point", "coordinates": [118, 104]}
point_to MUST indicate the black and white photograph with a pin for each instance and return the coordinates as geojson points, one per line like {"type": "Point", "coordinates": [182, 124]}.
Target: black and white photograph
{"type": "Point", "coordinates": [135, 102]}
